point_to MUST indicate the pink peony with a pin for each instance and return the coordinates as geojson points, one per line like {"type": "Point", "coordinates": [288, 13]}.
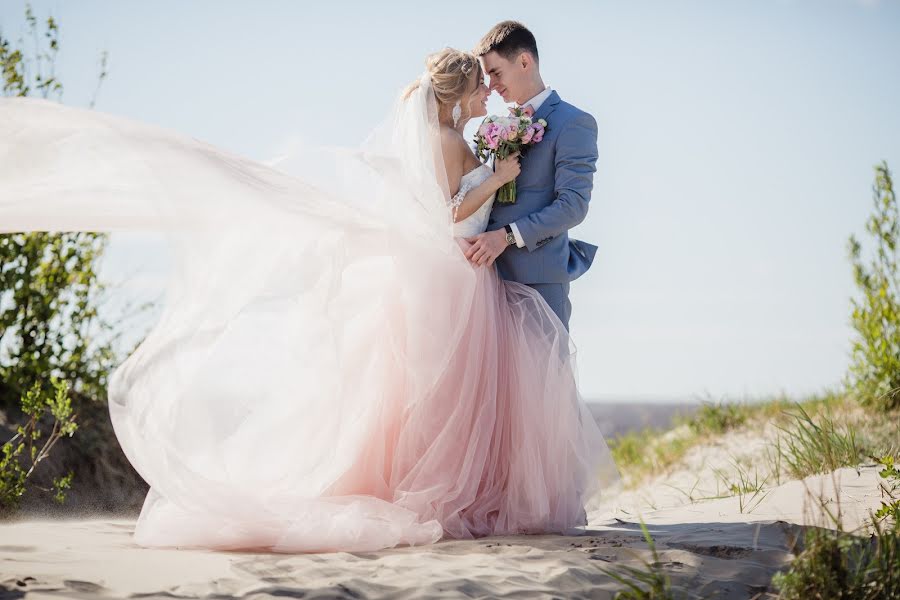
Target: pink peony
{"type": "Point", "coordinates": [529, 133]}
{"type": "Point", "coordinates": [492, 136]}
{"type": "Point", "coordinates": [538, 133]}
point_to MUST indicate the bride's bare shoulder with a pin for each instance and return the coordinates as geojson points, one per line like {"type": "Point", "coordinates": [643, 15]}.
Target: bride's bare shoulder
{"type": "Point", "coordinates": [457, 152]}
{"type": "Point", "coordinates": [454, 149]}
{"type": "Point", "coordinates": [453, 144]}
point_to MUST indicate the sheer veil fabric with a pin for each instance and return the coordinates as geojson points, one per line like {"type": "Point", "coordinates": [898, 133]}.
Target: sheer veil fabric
{"type": "Point", "coordinates": [297, 392]}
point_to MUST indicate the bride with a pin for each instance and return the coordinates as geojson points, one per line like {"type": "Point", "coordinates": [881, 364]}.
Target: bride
{"type": "Point", "coordinates": [329, 373]}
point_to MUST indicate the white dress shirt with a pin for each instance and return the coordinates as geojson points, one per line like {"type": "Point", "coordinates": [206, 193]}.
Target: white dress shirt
{"type": "Point", "coordinates": [535, 104]}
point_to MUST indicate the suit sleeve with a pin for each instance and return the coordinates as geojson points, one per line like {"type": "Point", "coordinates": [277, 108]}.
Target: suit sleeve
{"type": "Point", "coordinates": [576, 162]}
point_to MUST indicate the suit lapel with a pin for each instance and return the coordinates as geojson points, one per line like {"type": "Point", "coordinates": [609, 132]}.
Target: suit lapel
{"type": "Point", "coordinates": [547, 107]}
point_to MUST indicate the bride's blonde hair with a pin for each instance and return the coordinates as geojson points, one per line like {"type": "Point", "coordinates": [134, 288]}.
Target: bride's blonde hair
{"type": "Point", "coordinates": [452, 74]}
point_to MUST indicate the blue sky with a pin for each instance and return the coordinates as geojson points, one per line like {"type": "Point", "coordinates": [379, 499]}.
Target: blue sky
{"type": "Point", "coordinates": [737, 140]}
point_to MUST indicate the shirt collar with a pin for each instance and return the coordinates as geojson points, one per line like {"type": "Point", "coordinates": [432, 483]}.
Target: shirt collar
{"type": "Point", "coordinates": [539, 99]}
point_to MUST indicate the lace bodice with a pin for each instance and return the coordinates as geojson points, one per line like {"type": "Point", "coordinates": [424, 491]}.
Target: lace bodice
{"type": "Point", "coordinates": [476, 222]}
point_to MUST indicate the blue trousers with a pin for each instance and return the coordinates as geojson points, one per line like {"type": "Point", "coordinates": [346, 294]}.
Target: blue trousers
{"type": "Point", "coordinates": [557, 296]}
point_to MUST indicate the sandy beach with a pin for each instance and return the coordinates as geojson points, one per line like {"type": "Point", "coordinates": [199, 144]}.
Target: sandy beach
{"type": "Point", "coordinates": [709, 548]}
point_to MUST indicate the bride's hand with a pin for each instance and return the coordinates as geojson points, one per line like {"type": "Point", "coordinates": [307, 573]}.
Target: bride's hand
{"type": "Point", "coordinates": [507, 169]}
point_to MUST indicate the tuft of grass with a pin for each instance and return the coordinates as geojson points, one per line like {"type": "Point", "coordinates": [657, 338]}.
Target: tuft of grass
{"type": "Point", "coordinates": [647, 583]}
{"type": "Point", "coordinates": [808, 445]}
{"type": "Point", "coordinates": [749, 490]}
{"type": "Point", "coordinates": [716, 417]}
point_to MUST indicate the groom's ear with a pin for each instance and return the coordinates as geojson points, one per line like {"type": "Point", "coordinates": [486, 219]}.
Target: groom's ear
{"type": "Point", "coordinates": [526, 60]}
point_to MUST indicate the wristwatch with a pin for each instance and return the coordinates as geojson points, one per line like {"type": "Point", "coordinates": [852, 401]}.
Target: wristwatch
{"type": "Point", "coordinates": [510, 236]}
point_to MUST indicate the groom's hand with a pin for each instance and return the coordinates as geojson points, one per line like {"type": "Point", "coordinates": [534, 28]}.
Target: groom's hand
{"type": "Point", "coordinates": [486, 247]}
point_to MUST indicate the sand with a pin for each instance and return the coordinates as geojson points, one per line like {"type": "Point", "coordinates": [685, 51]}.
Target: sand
{"type": "Point", "coordinates": [723, 547]}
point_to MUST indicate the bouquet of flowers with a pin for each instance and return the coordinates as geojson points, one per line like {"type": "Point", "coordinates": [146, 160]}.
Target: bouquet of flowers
{"type": "Point", "coordinates": [501, 136]}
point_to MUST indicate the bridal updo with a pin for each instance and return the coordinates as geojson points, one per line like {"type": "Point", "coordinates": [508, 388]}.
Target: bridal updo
{"type": "Point", "coordinates": [454, 75]}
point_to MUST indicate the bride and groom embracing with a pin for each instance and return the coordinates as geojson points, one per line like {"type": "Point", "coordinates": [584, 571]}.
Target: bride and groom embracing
{"type": "Point", "coordinates": [528, 238]}
{"type": "Point", "coordinates": [360, 348]}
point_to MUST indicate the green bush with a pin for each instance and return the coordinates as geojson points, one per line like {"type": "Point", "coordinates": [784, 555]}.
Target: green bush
{"type": "Point", "coordinates": [28, 447]}
{"type": "Point", "coordinates": [50, 293]}
{"type": "Point", "coordinates": [874, 373]}
{"type": "Point", "coordinates": [49, 289]}
{"type": "Point", "coordinates": [49, 323]}
{"type": "Point", "coordinates": [890, 490]}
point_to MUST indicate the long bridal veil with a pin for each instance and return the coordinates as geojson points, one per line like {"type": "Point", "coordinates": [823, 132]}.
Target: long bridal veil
{"type": "Point", "coordinates": [304, 302]}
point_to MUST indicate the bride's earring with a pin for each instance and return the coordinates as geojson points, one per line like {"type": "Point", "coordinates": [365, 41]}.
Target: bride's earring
{"type": "Point", "coordinates": [456, 113]}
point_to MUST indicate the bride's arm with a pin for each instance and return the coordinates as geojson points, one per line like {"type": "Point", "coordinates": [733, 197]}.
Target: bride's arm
{"type": "Point", "coordinates": [466, 202]}
{"type": "Point", "coordinates": [463, 201]}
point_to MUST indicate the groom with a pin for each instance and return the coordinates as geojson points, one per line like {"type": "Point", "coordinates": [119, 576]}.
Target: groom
{"type": "Point", "coordinates": [529, 239]}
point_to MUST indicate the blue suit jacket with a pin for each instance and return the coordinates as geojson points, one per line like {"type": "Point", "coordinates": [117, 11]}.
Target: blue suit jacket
{"type": "Point", "coordinates": [552, 195]}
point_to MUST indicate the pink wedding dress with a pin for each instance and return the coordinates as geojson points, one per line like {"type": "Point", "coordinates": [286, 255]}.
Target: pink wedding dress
{"type": "Point", "coordinates": [503, 445]}
{"type": "Point", "coordinates": [329, 372]}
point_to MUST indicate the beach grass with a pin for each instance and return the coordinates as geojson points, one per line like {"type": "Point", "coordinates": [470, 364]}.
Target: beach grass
{"type": "Point", "coordinates": [650, 452]}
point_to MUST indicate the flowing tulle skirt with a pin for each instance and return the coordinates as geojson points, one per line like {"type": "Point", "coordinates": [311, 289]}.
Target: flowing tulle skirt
{"type": "Point", "coordinates": [502, 445]}
{"type": "Point", "coordinates": [329, 372]}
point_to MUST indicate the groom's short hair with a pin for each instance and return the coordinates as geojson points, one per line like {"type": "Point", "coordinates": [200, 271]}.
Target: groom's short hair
{"type": "Point", "coordinates": [508, 39]}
